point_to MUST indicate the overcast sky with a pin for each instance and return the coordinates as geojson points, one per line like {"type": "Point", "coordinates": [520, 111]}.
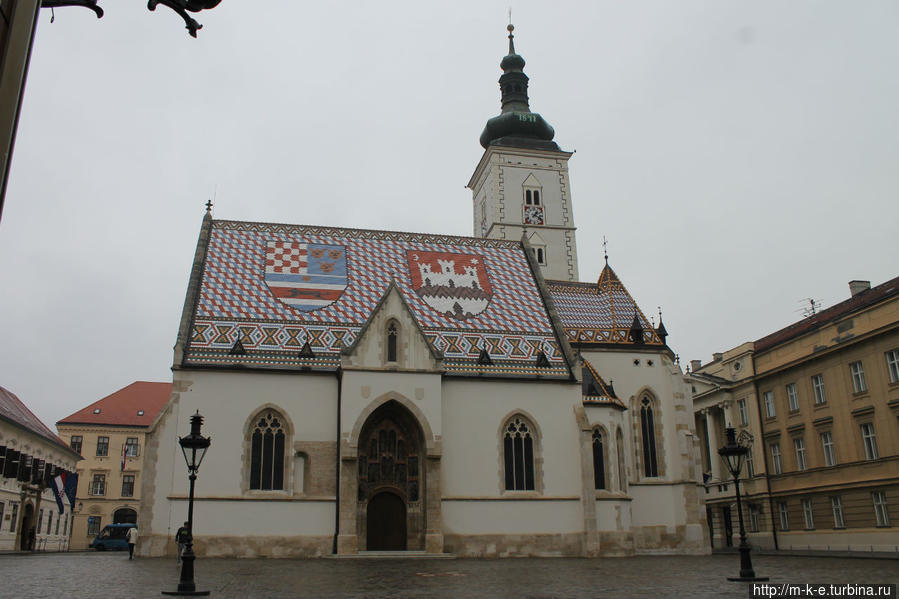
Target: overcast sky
{"type": "Point", "coordinates": [738, 156]}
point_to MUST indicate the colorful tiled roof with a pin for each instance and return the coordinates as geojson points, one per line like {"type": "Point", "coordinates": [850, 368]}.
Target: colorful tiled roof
{"type": "Point", "coordinates": [13, 410]}
{"type": "Point", "coordinates": [856, 302]}
{"type": "Point", "coordinates": [595, 390]}
{"type": "Point", "coordinates": [601, 313]}
{"type": "Point", "coordinates": [276, 287]}
{"type": "Point", "coordinates": [138, 404]}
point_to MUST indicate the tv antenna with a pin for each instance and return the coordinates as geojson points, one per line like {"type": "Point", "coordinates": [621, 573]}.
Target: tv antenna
{"type": "Point", "coordinates": [810, 307]}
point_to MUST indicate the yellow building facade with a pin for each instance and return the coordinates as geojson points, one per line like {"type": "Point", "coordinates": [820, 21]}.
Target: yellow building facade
{"type": "Point", "coordinates": [110, 436]}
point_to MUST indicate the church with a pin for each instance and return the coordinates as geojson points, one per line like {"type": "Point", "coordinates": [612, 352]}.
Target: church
{"type": "Point", "coordinates": [371, 390]}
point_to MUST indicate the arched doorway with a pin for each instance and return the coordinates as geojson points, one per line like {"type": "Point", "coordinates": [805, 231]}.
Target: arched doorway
{"type": "Point", "coordinates": [27, 540]}
{"type": "Point", "coordinates": [124, 515]}
{"type": "Point", "coordinates": [390, 514]}
{"type": "Point", "coordinates": [386, 523]}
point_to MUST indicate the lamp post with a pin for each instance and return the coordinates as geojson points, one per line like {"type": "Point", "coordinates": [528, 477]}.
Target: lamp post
{"type": "Point", "coordinates": [194, 447]}
{"type": "Point", "coordinates": [733, 455]}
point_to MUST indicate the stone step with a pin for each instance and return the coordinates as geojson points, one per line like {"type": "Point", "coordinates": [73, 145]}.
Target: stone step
{"type": "Point", "coordinates": [393, 555]}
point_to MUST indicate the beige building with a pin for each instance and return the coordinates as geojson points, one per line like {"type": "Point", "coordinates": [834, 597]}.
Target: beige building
{"type": "Point", "coordinates": [110, 436]}
{"type": "Point", "coordinates": [30, 456]}
{"type": "Point", "coordinates": [821, 401]}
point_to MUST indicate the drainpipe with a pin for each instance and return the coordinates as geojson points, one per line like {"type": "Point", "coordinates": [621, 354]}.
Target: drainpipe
{"type": "Point", "coordinates": [337, 469]}
{"type": "Point", "coordinates": [758, 405]}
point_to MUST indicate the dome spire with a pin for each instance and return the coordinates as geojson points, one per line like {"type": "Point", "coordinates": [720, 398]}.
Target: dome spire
{"type": "Point", "coordinates": [516, 121]}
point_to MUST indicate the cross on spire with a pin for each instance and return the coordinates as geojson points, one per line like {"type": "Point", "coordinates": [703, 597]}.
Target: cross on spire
{"type": "Point", "coordinates": [605, 249]}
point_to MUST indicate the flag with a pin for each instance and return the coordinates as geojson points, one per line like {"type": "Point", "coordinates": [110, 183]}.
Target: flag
{"type": "Point", "coordinates": [59, 490]}
{"type": "Point", "coordinates": [123, 458]}
{"type": "Point", "coordinates": [70, 481]}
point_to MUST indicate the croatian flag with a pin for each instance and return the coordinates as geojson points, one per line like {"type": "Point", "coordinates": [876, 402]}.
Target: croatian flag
{"type": "Point", "coordinates": [65, 485]}
{"type": "Point", "coordinates": [305, 276]}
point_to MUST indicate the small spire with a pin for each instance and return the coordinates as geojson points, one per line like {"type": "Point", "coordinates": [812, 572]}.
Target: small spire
{"type": "Point", "coordinates": [511, 28]}
{"type": "Point", "coordinates": [605, 250]}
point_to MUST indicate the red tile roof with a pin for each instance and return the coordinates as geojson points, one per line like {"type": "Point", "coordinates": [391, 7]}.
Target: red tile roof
{"type": "Point", "coordinates": [857, 302]}
{"type": "Point", "coordinates": [13, 410]}
{"type": "Point", "coordinates": [134, 405]}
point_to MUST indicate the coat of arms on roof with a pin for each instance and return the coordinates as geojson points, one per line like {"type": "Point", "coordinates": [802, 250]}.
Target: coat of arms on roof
{"type": "Point", "coordinates": [456, 285]}
{"type": "Point", "coordinates": [305, 276]}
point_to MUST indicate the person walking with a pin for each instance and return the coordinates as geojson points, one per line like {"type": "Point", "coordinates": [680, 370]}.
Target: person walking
{"type": "Point", "coordinates": [132, 541]}
{"type": "Point", "coordinates": [181, 539]}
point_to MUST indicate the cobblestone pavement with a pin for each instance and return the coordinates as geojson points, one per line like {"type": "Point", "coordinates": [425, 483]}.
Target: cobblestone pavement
{"type": "Point", "coordinates": [93, 575]}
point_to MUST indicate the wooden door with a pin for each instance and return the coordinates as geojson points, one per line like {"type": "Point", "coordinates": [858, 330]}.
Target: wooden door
{"type": "Point", "coordinates": [386, 523]}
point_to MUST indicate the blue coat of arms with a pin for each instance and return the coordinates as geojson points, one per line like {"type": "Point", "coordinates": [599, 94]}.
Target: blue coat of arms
{"type": "Point", "coordinates": [305, 276]}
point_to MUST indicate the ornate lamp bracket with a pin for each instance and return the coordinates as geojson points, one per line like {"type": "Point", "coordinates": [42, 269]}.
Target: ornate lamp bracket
{"type": "Point", "coordinates": [91, 4]}
{"type": "Point", "coordinates": [182, 6]}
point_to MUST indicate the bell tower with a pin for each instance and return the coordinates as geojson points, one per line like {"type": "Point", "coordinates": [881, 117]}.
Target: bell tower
{"type": "Point", "coordinates": [520, 186]}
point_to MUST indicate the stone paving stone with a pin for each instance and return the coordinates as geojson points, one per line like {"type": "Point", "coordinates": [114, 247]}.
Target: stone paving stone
{"type": "Point", "coordinates": [100, 575]}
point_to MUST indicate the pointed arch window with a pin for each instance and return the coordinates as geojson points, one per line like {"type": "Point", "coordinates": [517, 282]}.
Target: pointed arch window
{"type": "Point", "coordinates": [599, 460]}
{"type": "Point", "coordinates": [533, 202]}
{"type": "Point", "coordinates": [267, 443]}
{"type": "Point", "coordinates": [518, 455]}
{"type": "Point", "coordinates": [392, 336]}
{"type": "Point", "coordinates": [647, 428]}
{"type": "Point", "coordinates": [622, 472]}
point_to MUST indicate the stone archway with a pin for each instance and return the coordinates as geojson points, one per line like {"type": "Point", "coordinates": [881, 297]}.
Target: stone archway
{"type": "Point", "coordinates": [390, 481]}
{"type": "Point", "coordinates": [124, 515]}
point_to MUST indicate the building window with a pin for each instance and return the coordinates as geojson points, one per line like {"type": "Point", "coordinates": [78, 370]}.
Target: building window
{"type": "Point", "coordinates": [392, 341]}
{"type": "Point", "coordinates": [541, 255]}
{"type": "Point", "coordinates": [784, 516]}
{"type": "Point", "coordinates": [830, 458]}
{"type": "Point", "coordinates": [599, 463]}
{"type": "Point", "coordinates": [56, 532]}
{"type": "Point", "coordinates": [40, 521]}
{"type": "Point", "coordinates": [870, 441]}
{"type": "Point", "coordinates": [93, 526]}
{"type": "Point", "coordinates": [98, 484]}
{"type": "Point", "coordinates": [75, 443]}
{"type": "Point", "coordinates": [836, 505]}
{"type": "Point", "coordinates": [744, 414]}
{"type": "Point", "coordinates": [768, 398]}
{"type": "Point", "coordinates": [13, 516]}
{"type": "Point", "coordinates": [793, 397]}
{"type": "Point", "coordinates": [750, 466]}
{"type": "Point", "coordinates": [622, 471]}
{"type": "Point", "coordinates": [892, 358]}
{"type": "Point", "coordinates": [857, 371]}
{"type": "Point", "coordinates": [881, 516]}
{"type": "Point", "coordinates": [132, 449]}
{"type": "Point", "coordinates": [2, 509]}
{"type": "Point", "coordinates": [799, 446]}
{"type": "Point", "coordinates": [647, 426]}
{"type": "Point", "coordinates": [128, 485]}
{"type": "Point", "coordinates": [818, 388]}
{"type": "Point", "coordinates": [518, 455]}
{"type": "Point", "coordinates": [49, 520]}
{"type": "Point", "coordinates": [267, 452]}
{"type": "Point", "coordinates": [102, 446]}
{"type": "Point", "coordinates": [753, 518]}
{"type": "Point", "coordinates": [808, 514]}
{"type": "Point", "coordinates": [65, 525]}
{"type": "Point", "coordinates": [776, 465]}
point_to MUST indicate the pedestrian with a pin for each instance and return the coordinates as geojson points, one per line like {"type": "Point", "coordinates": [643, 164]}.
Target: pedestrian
{"type": "Point", "coordinates": [132, 541]}
{"type": "Point", "coordinates": [181, 539]}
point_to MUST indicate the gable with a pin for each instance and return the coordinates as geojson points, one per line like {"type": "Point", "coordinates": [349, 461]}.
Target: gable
{"type": "Point", "coordinates": [274, 288]}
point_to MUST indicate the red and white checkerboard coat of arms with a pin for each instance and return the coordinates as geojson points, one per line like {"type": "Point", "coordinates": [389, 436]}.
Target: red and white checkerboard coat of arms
{"type": "Point", "coordinates": [306, 276]}
{"type": "Point", "coordinates": [456, 285]}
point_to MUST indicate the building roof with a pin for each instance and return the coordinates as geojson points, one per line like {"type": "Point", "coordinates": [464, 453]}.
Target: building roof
{"type": "Point", "coordinates": [601, 313]}
{"type": "Point", "coordinates": [13, 410]}
{"type": "Point", "coordinates": [595, 390]}
{"type": "Point", "coordinates": [857, 302]}
{"type": "Point", "coordinates": [138, 404]}
{"type": "Point", "coordinates": [269, 289]}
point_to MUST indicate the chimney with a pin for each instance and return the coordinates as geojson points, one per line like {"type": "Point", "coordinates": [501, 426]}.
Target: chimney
{"type": "Point", "coordinates": [856, 287]}
{"type": "Point", "coordinates": [717, 356]}
{"type": "Point", "coordinates": [695, 365]}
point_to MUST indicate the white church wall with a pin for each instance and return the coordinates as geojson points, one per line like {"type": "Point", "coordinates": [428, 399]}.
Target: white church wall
{"type": "Point", "coordinates": [363, 391]}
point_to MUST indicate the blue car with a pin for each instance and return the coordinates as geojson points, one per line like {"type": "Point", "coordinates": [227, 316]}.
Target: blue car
{"type": "Point", "coordinates": [112, 537]}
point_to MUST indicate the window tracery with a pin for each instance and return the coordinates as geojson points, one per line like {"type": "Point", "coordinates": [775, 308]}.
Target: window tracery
{"type": "Point", "coordinates": [518, 455]}
{"type": "Point", "coordinates": [267, 443]}
{"type": "Point", "coordinates": [599, 463]}
{"type": "Point", "coordinates": [648, 434]}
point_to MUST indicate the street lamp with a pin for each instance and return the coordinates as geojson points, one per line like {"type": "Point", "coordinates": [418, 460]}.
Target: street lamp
{"type": "Point", "coordinates": [733, 455]}
{"type": "Point", "coordinates": [194, 447]}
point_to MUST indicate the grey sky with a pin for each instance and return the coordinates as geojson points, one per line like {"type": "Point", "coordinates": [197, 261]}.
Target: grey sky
{"type": "Point", "coordinates": [738, 156]}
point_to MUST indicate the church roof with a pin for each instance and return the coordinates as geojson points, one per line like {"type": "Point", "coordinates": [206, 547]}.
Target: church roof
{"type": "Point", "coordinates": [14, 411]}
{"type": "Point", "coordinates": [138, 404]}
{"type": "Point", "coordinates": [267, 290]}
{"type": "Point", "coordinates": [602, 313]}
{"type": "Point", "coordinates": [595, 390]}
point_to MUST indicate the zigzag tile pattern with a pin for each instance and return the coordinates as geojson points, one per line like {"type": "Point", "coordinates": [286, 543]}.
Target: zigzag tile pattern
{"type": "Point", "coordinates": [235, 303]}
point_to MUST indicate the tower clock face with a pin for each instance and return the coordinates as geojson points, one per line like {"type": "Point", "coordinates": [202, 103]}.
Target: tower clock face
{"type": "Point", "coordinates": [533, 215]}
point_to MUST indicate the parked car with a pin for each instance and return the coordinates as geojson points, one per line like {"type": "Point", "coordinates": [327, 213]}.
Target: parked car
{"type": "Point", "coordinates": [112, 537]}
